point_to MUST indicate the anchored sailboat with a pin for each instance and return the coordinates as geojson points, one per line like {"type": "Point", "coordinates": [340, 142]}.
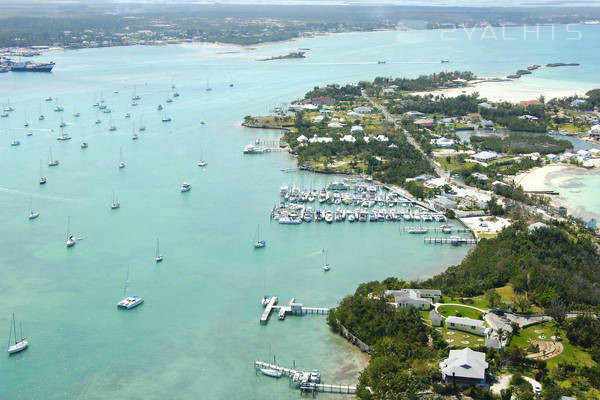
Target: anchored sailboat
{"type": "Point", "coordinates": [32, 214]}
{"type": "Point", "coordinates": [115, 203]}
{"type": "Point", "coordinates": [121, 162]}
{"type": "Point", "coordinates": [259, 244]}
{"type": "Point", "coordinates": [159, 257]}
{"type": "Point", "coordinates": [326, 267]}
{"type": "Point", "coordinates": [20, 344]}
{"type": "Point", "coordinates": [71, 240]}
{"type": "Point", "coordinates": [129, 302]}
{"type": "Point", "coordinates": [52, 162]}
{"type": "Point", "coordinates": [43, 179]}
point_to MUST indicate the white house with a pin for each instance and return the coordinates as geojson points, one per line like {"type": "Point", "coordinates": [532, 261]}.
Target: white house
{"type": "Point", "coordinates": [584, 154]}
{"type": "Point", "coordinates": [469, 325]}
{"type": "Point", "coordinates": [317, 118]}
{"type": "Point", "coordinates": [335, 125]}
{"type": "Point", "coordinates": [353, 114]}
{"type": "Point", "coordinates": [465, 367]}
{"type": "Point", "coordinates": [316, 139]}
{"type": "Point", "coordinates": [363, 110]}
{"type": "Point", "coordinates": [382, 138]}
{"type": "Point", "coordinates": [442, 142]}
{"type": "Point", "coordinates": [356, 129]}
{"type": "Point", "coordinates": [302, 139]}
{"type": "Point", "coordinates": [348, 138]}
{"type": "Point", "coordinates": [485, 156]}
{"type": "Point", "coordinates": [366, 138]}
{"type": "Point", "coordinates": [420, 298]}
{"type": "Point", "coordinates": [414, 114]}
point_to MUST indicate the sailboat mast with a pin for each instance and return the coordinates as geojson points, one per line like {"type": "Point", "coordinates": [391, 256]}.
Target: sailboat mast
{"type": "Point", "coordinates": [68, 226]}
{"type": "Point", "coordinates": [157, 248]}
{"type": "Point", "coordinates": [21, 326]}
{"type": "Point", "coordinates": [15, 328]}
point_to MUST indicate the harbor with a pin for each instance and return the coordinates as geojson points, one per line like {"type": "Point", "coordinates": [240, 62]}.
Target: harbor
{"type": "Point", "coordinates": [306, 381]}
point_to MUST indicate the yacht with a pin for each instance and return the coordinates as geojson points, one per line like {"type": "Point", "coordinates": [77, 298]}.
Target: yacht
{"type": "Point", "coordinates": [122, 164]}
{"type": "Point", "coordinates": [64, 136]}
{"type": "Point", "coordinates": [273, 373]}
{"type": "Point", "coordinates": [115, 204]}
{"type": "Point", "coordinates": [166, 119]}
{"type": "Point", "coordinates": [282, 313]}
{"type": "Point", "coordinates": [19, 345]}
{"type": "Point", "coordinates": [135, 136]}
{"type": "Point", "coordinates": [84, 145]}
{"type": "Point", "coordinates": [328, 216]}
{"type": "Point", "coordinates": [29, 133]}
{"type": "Point", "coordinates": [43, 180]}
{"type": "Point", "coordinates": [202, 163]}
{"type": "Point", "coordinates": [315, 376]}
{"type": "Point", "coordinates": [130, 302]}
{"type": "Point", "coordinates": [351, 217]}
{"type": "Point", "coordinates": [186, 187]}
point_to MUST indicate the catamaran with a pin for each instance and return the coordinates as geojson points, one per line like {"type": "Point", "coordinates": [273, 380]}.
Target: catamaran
{"type": "Point", "coordinates": [51, 161]}
{"type": "Point", "coordinates": [32, 214]}
{"type": "Point", "coordinates": [159, 257]}
{"type": "Point", "coordinates": [259, 243]}
{"type": "Point", "coordinates": [129, 302]}
{"type": "Point", "coordinates": [20, 344]}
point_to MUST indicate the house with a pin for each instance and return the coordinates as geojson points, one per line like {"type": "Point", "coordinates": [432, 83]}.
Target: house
{"type": "Point", "coordinates": [420, 298]}
{"type": "Point", "coordinates": [485, 156]}
{"type": "Point", "coordinates": [464, 367]}
{"type": "Point", "coordinates": [460, 82]}
{"type": "Point", "coordinates": [302, 139]}
{"type": "Point", "coordinates": [553, 157]}
{"type": "Point", "coordinates": [382, 138]}
{"type": "Point", "coordinates": [527, 103]}
{"type": "Point", "coordinates": [316, 139]}
{"type": "Point", "coordinates": [435, 318]}
{"type": "Point", "coordinates": [584, 154]}
{"type": "Point", "coordinates": [536, 225]}
{"type": "Point", "coordinates": [469, 325]}
{"type": "Point", "coordinates": [348, 138]}
{"type": "Point", "coordinates": [578, 103]}
{"type": "Point", "coordinates": [317, 118]}
{"type": "Point", "coordinates": [335, 125]}
{"type": "Point", "coordinates": [356, 129]}
{"type": "Point", "coordinates": [353, 114]}
{"type": "Point", "coordinates": [487, 124]}
{"type": "Point", "coordinates": [479, 176]}
{"type": "Point", "coordinates": [363, 110]}
{"type": "Point", "coordinates": [414, 114]}
{"type": "Point", "coordinates": [442, 142]}
{"type": "Point", "coordinates": [531, 118]}
{"type": "Point", "coordinates": [424, 122]}
{"type": "Point", "coordinates": [486, 105]}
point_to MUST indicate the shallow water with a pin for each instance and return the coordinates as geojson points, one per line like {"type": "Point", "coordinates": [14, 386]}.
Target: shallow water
{"type": "Point", "coordinates": [197, 334]}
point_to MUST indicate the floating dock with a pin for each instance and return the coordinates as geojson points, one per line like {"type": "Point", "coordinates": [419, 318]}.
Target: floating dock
{"type": "Point", "coordinates": [301, 380]}
{"type": "Point", "coordinates": [292, 308]}
{"type": "Point", "coordinates": [454, 241]}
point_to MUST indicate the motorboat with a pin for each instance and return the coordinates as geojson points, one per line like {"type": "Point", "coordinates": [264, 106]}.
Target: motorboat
{"type": "Point", "coordinates": [315, 376]}
{"type": "Point", "coordinates": [64, 136]}
{"type": "Point", "coordinates": [130, 302]}
{"type": "Point", "coordinates": [84, 145]}
{"type": "Point", "coordinates": [265, 300]}
{"type": "Point", "coordinates": [202, 163]}
{"type": "Point", "coordinates": [186, 187]}
{"type": "Point", "coordinates": [71, 241]}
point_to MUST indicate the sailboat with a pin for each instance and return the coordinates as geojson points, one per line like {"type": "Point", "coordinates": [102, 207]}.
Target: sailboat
{"type": "Point", "coordinates": [121, 162]}
{"type": "Point", "coordinates": [142, 127]}
{"type": "Point", "coordinates": [32, 214]}
{"type": "Point", "coordinates": [159, 257]}
{"type": "Point", "coordinates": [259, 244]}
{"type": "Point", "coordinates": [129, 302]}
{"type": "Point", "coordinates": [70, 238]}
{"type": "Point", "coordinates": [51, 161]}
{"type": "Point", "coordinates": [326, 267]}
{"type": "Point", "coordinates": [202, 163]}
{"type": "Point", "coordinates": [208, 88]}
{"type": "Point", "coordinates": [20, 344]}
{"type": "Point", "coordinates": [112, 127]}
{"type": "Point", "coordinates": [84, 144]}
{"type": "Point", "coordinates": [63, 136]}
{"type": "Point", "coordinates": [134, 136]}
{"type": "Point", "coordinates": [43, 179]}
{"type": "Point", "coordinates": [115, 203]}
{"type": "Point", "coordinates": [165, 118]}
{"type": "Point", "coordinates": [42, 116]}
{"type": "Point", "coordinates": [14, 141]}
{"type": "Point", "coordinates": [135, 96]}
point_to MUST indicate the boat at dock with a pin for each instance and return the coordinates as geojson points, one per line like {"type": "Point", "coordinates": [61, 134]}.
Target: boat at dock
{"type": "Point", "coordinates": [20, 344]}
{"type": "Point", "coordinates": [271, 372]}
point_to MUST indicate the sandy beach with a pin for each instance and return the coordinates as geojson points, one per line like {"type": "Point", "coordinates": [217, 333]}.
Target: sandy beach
{"type": "Point", "coordinates": [513, 91]}
{"type": "Point", "coordinates": [536, 178]}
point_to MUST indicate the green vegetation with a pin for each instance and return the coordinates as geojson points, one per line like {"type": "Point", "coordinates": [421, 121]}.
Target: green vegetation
{"type": "Point", "coordinates": [423, 82]}
{"type": "Point", "coordinates": [459, 311]}
{"type": "Point", "coordinates": [566, 271]}
{"type": "Point", "coordinates": [521, 143]}
{"type": "Point", "coordinates": [291, 55]}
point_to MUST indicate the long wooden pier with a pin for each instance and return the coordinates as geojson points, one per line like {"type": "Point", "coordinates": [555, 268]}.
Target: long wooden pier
{"type": "Point", "coordinates": [301, 380]}
{"type": "Point", "coordinates": [455, 241]}
{"type": "Point", "coordinates": [292, 308]}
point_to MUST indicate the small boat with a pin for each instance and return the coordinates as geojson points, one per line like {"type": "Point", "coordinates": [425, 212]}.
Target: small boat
{"type": "Point", "coordinates": [444, 61]}
{"type": "Point", "coordinates": [202, 163]}
{"type": "Point", "coordinates": [326, 267]}
{"type": "Point", "coordinates": [43, 180]}
{"type": "Point", "coordinates": [127, 115]}
{"type": "Point", "coordinates": [71, 240]}
{"type": "Point", "coordinates": [175, 94]}
{"type": "Point", "coordinates": [4, 115]}
{"type": "Point", "coordinates": [265, 300]}
{"type": "Point", "coordinates": [48, 98]}
{"type": "Point", "coordinates": [135, 136]}
{"type": "Point", "coordinates": [134, 103]}
{"type": "Point", "coordinates": [166, 119]}
{"type": "Point", "coordinates": [59, 109]}
{"type": "Point", "coordinates": [77, 115]}
{"type": "Point", "coordinates": [142, 127]}
{"type": "Point", "coordinates": [281, 313]}
{"type": "Point", "coordinates": [62, 124]}
{"type": "Point", "coordinates": [15, 143]}
{"type": "Point", "coordinates": [84, 145]}
{"type": "Point", "coordinates": [29, 133]}
{"type": "Point", "coordinates": [169, 100]}
{"type": "Point", "coordinates": [159, 257]}
{"type": "Point", "coordinates": [63, 137]}
{"type": "Point", "coordinates": [32, 214]}
{"type": "Point", "coordinates": [41, 117]}
{"type": "Point", "coordinates": [259, 244]}
{"type": "Point", "coordinates": [121, 162]}
{"type": "Point", "coordinates": [208, 88]}
{"type": "Point", "coordinates": [26, 124]}
{"type": "Point", "coordinates": [315, 376]}
{"type": "Point", "coordinates": [159, 107]}
{"type": "Point", "coordinates": [115, 204]}
{"type": "Point", "coordinates": [274, 373]}
{"type": "Point", "coordinates": [20, 344]}
{"type": "Point", "coordinates": [98, 122]}
{"type": "Point", "coordinates": [130, 302]}
{"type": "Point", "coordinates": [186, 187]}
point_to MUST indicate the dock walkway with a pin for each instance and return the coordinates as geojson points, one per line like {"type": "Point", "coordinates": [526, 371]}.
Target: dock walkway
{"type": "Point", "coordinates": [264, 318]}
{"type": "Point", "coordinates": [455, 241]}
{"type": "Point", "coordinates": [291, 308]}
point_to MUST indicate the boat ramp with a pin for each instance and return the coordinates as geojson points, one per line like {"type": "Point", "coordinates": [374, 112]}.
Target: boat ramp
{"type": "Point", "coordinates": [301, 380]}
{"type": "Point", "coordinates": [292, 308]}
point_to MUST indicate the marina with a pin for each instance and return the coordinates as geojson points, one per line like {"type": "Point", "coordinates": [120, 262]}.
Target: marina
{"type": "Point", "coordinates": [292, 308]}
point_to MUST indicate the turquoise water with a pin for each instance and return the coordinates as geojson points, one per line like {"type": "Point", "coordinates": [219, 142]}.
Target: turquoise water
{"type": "Point", "coordinates": [197, 333]}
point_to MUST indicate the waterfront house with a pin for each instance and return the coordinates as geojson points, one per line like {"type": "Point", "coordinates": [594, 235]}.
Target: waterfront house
{"type": "Point", "coordinates": [531, 118]}
{"type": "Point", "coordinates": [363, 110]}
{"type": "Point", "coordinates": [423, 299]}
{"type": "Point", "coordinates": [464, 367]}
{"type": "Point", "coordinates": [425, 122]}
{"type": "Point", "coordinates": [552, 157]}
{"type": "Point", "coordinates": [469, 325]}
{"type": "Point", "coordinates": [317, 139]}
{"type": "Point", "coordinates": [353, 114]}
{"type": "Point", "coordinates": [302, 139]}
{"type": "Point", "coordinates": [584, 154]}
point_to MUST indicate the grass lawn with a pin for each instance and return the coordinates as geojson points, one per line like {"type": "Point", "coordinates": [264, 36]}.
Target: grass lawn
{"type": "Point", "coordinates": [450, 311]}
{"type": "Point", "coordinates": [506, 293]}
{"type": "Point", "coordinates": [572, 354]}
{"type": "Point", "coordinates": [456, 338]}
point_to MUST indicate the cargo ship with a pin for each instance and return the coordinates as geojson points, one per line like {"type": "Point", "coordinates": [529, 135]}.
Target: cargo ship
{"type": "Point", "coordinates": [31, 67]}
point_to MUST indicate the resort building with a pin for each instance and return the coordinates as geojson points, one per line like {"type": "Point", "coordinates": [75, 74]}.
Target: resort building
{"type": "Point", "coordinates": [469, 325]}
{"type": "Point", "coordinates": [423, 299]}
{"type": "Point", "coordinates": [464, 367]}
{"type": "Point", "coordinates": [336, 125]}
{"type": "Point", "coordinates": [435, 318]}
{"type": "Point", "coordinates": [485, 156]}
{"type": "Point", "coordinates": [356, 129]}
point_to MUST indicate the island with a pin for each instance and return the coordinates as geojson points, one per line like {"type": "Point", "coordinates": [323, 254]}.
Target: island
{"type": "Point", "coordinates": [291, 55]}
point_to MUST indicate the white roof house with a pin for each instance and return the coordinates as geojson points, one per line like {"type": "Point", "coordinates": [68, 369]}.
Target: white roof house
{"type": "Point", "coordinates": [466, 366]}
{"type": "Point", "coordinates": [584, 154]}
{"type": "Point", "coordinates": [442, 142]}
{"type": "Point", "coordinates": [353, 114]}
{"type": "Point", "coordinates": [420, 298]}
{"type": "Point", "coordinates": [356, 128]}
{"type": "Point", "coordinates": [316, 139]}
{"type": "Point", "coordinates": [485, 156]}
{"type": "Point", "coordinates": [382, 138]}
{"type": "Point", "coordinates": [348, 138]}
{"type": "Point", "coordinates": [302, 139]}
{"type": "Point", "coordinates": [310, 107]}
{"type": "Point", "coordinates": [414, 114]}
{"type": "Point", "coordinates": [335, 125]}
{"type": "Point", "coordinates": [363, 110]}
{"type": "Point", "coordinates": [317, 118]}
{"type": "Point", "coordinates": [595, 129]}
{"type": "Point", "coordinates": [366, 138]}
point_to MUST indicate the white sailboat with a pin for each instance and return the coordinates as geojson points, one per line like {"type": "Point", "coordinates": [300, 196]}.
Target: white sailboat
{"type": "Point", "coordinates": [142, 127]}
{"type": "Point", "coordinates": [134, 136]}
{"type": "Point", "coordinates": [20, 344]}
{"type": "Point", "coordinates": [202, 162]}
{"type": "Point", "coordinates": [43, 179]}
{"type": "Point", "coordinates": [71, 240]}
{"type": "Point", "coordinates": [32, 214]}
{"type": "Point", "coordinates": [259, 244]}
{"type": "Point", "coordinates": [129, 302]}
{"type": "Point", "coordinates": [326, 267]}
{"type": "Point", "coordinates": [51, 161]}
{"type": "Point", "coordinates": [115, 203]}
{"type": "Point", "coordinates": [158, 257]}
{"type": "Point", "coordinates": [84, 144]}
{"type": "Point", "coordinates": [121, 162]}
{"type": "Point", "coordinates": [208, 88]}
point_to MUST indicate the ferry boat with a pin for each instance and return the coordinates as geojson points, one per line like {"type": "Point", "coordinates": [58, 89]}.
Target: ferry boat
{"type": "Point", "coordinates": [130, 302]}
{"type": "Point", "coordinates": [186, 187]}
{"type": "Point", "coordinates": [19, 345]}
{"type": "Point", "coordinates": [29, 66]}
